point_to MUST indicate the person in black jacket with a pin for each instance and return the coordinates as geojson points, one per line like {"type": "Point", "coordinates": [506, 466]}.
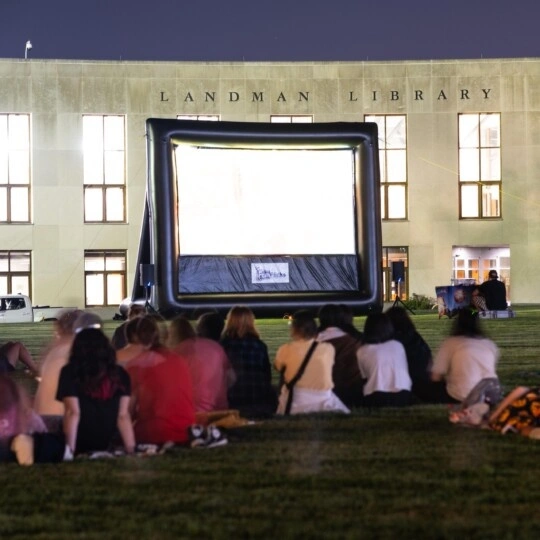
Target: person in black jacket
{"type": "Point", "coordinates": [418, 351]}
{"type": "Point", "coordinates": [494, 292]}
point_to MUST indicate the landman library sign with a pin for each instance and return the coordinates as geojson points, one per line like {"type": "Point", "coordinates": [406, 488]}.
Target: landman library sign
{"type": "Point", "coordinates": [209, 96]}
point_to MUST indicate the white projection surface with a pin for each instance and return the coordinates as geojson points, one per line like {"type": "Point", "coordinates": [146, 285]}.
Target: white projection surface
{"type": "Point", "coordinates": [234, 201]}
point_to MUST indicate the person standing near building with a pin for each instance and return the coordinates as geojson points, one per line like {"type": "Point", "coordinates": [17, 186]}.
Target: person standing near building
{"type": "Point", "coordinates": [494, 292]}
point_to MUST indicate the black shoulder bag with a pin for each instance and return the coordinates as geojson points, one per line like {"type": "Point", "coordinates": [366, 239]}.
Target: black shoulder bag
{"type": "Point", "coordinates": [296, 378]}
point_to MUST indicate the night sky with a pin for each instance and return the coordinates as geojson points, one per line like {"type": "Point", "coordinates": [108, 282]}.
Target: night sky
{"type": "Point", "coordinates": [279, 30]}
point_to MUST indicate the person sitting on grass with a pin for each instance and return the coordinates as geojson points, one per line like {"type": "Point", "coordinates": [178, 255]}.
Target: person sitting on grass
{"type": "Point", "coordinates": [54, 359]}
{"type": "Point", "coordinates": [383, 364]}
{"type": "Point", "coordinates": [209, 367]}
{"type": "Point", "coordinates": [252, 393]}
{"type": "Point", "coordinates": [13, 352]}
{"type": "Point", "coordinates": [335, 330]}
{"type": "Point", "coordinates": [162, 393]}
{"type": "Point", "coordinates": [306, 368]}
{"type": "Point", "coordinates": [119, 339]}
{"type": "Point", "coordinates": [463, 360]}
{"type": "Point", "coordinates": [210, 325]}
{"type": "Point", "coordinates": [96, 393]}
{"type": "Point", "coordinates": [418, 352]}
{"type": "Point", "coordinates": [18, 424]}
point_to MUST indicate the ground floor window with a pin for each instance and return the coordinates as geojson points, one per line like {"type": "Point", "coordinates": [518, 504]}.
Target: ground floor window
{"type": "Point", "coordinates": [104, 277]}
{"type": "Point", "coordinates": [395, 266]}
{"type": "Point", "coordinates": [472, 264]}
{"type": "Point", "coordinates": [15, 274]}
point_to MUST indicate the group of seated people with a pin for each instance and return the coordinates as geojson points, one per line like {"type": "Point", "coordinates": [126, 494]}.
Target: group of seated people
{"type": "Point", "coordinates": [159, 382]}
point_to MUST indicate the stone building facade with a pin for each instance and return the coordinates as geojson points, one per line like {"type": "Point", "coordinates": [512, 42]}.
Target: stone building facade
{"type": "Point", "coordinates": [460, 143]}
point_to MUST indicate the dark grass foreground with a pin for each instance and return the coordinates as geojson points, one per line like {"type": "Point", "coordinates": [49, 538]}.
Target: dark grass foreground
{"type": "Point", "coordinates": [389, 473]}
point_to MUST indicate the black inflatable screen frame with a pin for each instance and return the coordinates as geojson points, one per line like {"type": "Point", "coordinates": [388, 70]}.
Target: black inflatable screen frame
{"type": "Point", "coordinates": [159, 233]}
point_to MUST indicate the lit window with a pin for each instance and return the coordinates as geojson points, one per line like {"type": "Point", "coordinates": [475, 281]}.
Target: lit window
{"type": "Point", "coordinates": [104, 168]}
{"type": "Point", "coordinates": [291, 119]}
{"type": "Point", "coordinates": [204, 117]}
{"type": "Point", "coordinates": [14, 168]}
{"type": "Point", "coordinates": [105, 277]}
{"type": "Point", "coordinates": [480, 165]}
{"type": "Point", "coordinates": [393, 164]}
{"type": "Point", "coordinates": [15, 275]}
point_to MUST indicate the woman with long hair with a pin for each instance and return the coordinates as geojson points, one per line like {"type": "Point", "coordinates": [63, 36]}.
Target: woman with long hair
{"type": "Point", "coordinates": [419, 357]}
{"type": "Point", "coordinates": [383, 364]}
{"type": "Point", "coordinates": [252, 393]}
{"type": "Point", "coordinates": [464, 358]}
{"type": "Point", "coordinates": [96, 393]}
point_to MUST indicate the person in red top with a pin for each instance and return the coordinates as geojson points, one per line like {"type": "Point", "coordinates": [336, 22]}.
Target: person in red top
{"type": "Point", "coordinates": [209, 366]}
{"type": "Point", "coordinates": [161, 390]}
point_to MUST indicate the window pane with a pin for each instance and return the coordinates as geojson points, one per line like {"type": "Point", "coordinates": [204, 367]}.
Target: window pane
{"type": "Point", "coordinates": [20, 262]}
{"type": "Point", "coordinates": [93, 204]}
{"type": "Point", "coordinates": [93, 167]}
{"type": "Point", "coordinates": [468, 131]}
{"type": "Point", "coordinates": [20, 285]}
{"type": "Point", "coordinates": [383, 206]}
{"type": "Point", "coordinates": [3, 131]}
{"type": "Point", "coordinates": [490, 130]}
{"type": "Point", "coordinates": [93, 134]}
{"type": "Point", "coordinates": [382, 164]}
{"type": "Point", "coordinates": [19, 132]}
{"type": "Point", "coordinates": [379, 120]}
{"type": "Point", "coordinates": [114, 167]}
{"type": "Point", "coordinates": [95, 294]}
{"type": "Point", "coordinates": [3, 285]}
{"type": "Point", "coordinates": [396, 202]}
{"type": "Point", "coordinates": [3, 204]}
{"type": "Point", "coordinates": [397, 165]}
{"type": "Point", "coordinates": [113, 133]}
{"type": "Point", "coordinates": [115, 204]}
{"type": "Point", "coordinates": [469, 166]}
{"type": "Point", "coordinates": [94, 262]}
{"type": "Point", "coordinates": [490, 163]}
{"type": "Point", "coordinates": [115, 289]}
{"type": "Point", "coordinates": [280, 119]}
{"type": "Point", "coordinates": [19, 167]}
{"type": "Point", "coordinates": [302, 119]}
{"type": "Point", "coordinates": [3, 163]}
{"type": "Point", "coordinates": [491, 206]}
{"type": "Point", "coordinates": [19, 204]}
{"type": "Point", "coordinates": [115, 262]}
{"type": "Point", "coordinates": [469, 201]}
{"type": "Point", "coordinates": [395, 132]}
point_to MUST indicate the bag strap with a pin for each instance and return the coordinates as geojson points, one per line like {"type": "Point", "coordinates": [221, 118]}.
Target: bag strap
{"type": "Point", "coordinates": [296, 378]}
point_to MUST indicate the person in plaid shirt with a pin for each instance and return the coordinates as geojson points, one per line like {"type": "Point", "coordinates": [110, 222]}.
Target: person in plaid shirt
{"type": "Point", "coordinates": [252, 393]}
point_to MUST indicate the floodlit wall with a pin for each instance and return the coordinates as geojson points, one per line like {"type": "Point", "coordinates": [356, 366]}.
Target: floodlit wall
{"type": "Point", "coordinates": [430, 93]}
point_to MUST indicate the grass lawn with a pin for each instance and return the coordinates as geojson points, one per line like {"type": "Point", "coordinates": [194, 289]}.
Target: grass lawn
{"type": "Point", "coordinates": [393, 473]}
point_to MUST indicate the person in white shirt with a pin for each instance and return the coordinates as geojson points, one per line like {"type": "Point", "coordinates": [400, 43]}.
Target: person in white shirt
{"type": "Point", "coordinates": [464, 358]}
{"type": "Point", "coordinates": [382, 362]}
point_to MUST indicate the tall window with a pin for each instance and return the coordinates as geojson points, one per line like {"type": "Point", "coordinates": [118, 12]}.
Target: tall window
{"type": "Point", "coordinates": [480, 165]}
{"type": "Point", "coordinates": [14, 168]}
{"type": "Point", "coordinates": [393, 164]}
{"type": "Point", "coordinates": [104, 168]}
{"type": "Point", "coordinates": [15, 275]}
{"type": "Point", "coordinates": [105, 277]}
{"type": "Point", "coordinates": [291, 119]}
{"type": "Point", "coordinates": [206, 117]}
